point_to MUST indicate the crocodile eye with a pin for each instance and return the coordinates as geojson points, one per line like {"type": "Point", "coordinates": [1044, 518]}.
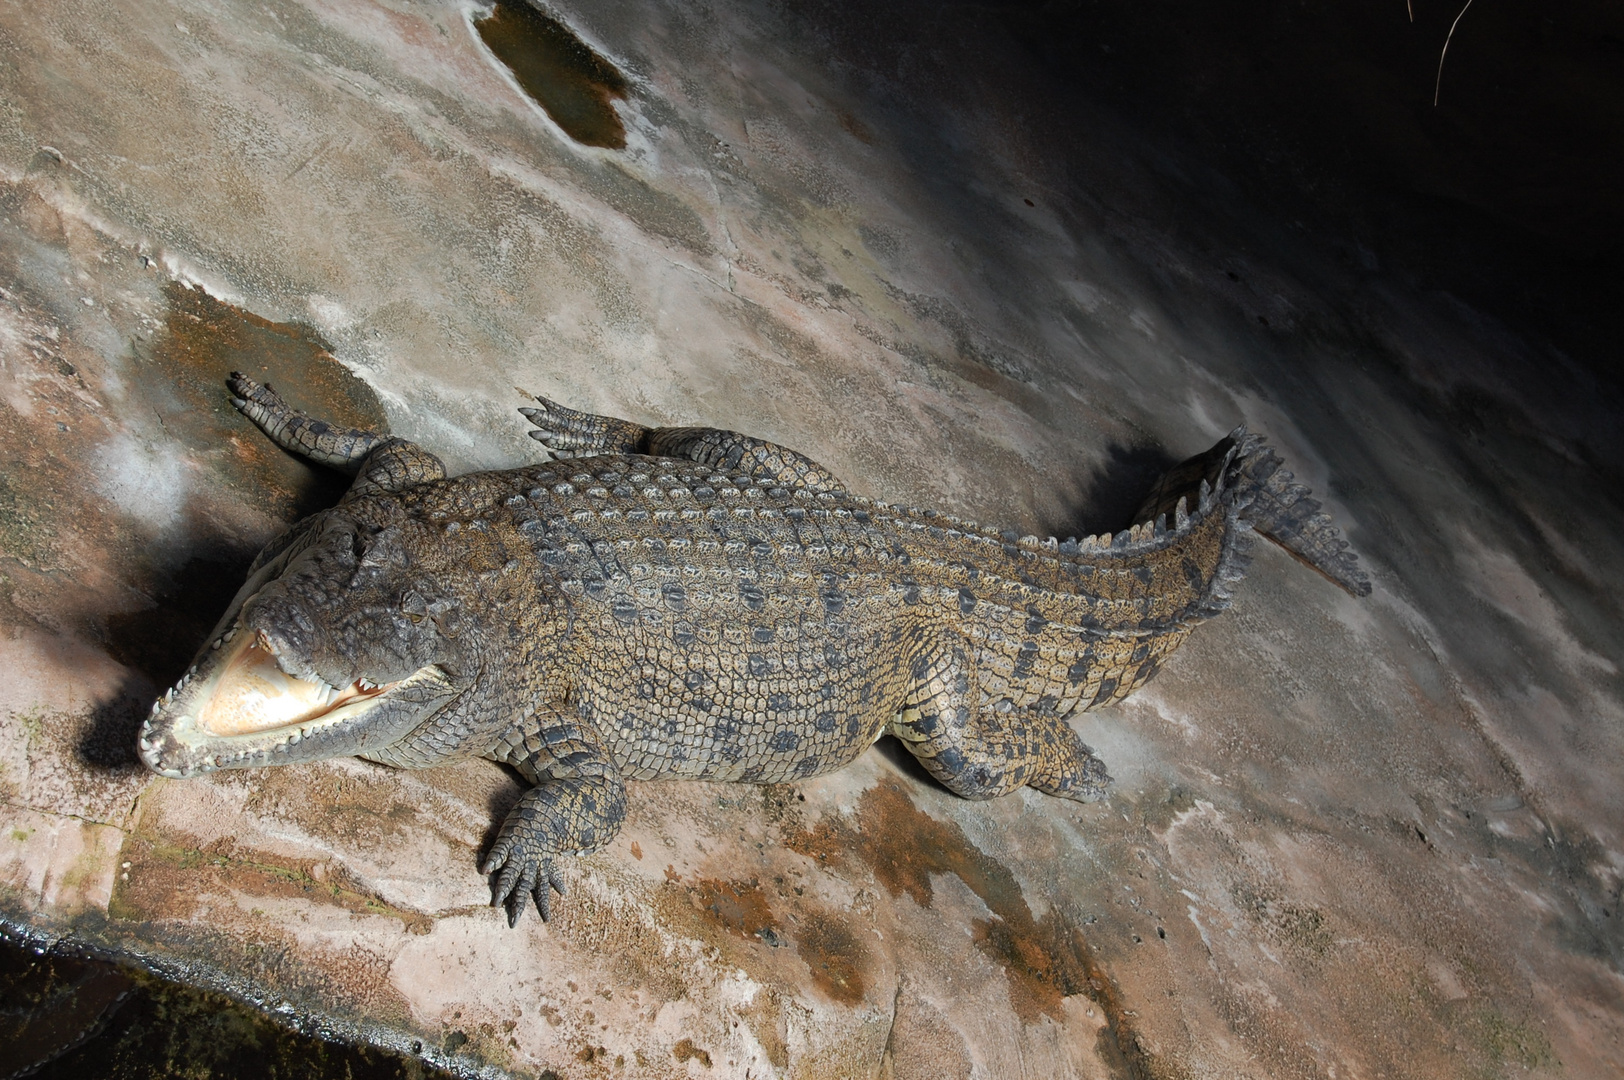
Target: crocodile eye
{"type": "Point", "coordinates": [413, 606]}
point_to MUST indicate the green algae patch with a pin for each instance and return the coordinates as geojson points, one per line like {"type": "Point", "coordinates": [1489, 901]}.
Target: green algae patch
{"type": "Point", "coordinates": [559, 71]}
{"type": "Point", "coordinates": [168, 879]}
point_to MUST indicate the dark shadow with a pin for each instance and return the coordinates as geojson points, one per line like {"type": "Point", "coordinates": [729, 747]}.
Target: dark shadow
{"type": "Point", "coordinates": [1116, 489]}
{"type": "Point", "coordinates": [891, 749]}
{"type": "Point", "coordinates": [502, 800]}
{"type": "Point", "coordinates": [160, 641]}
{"type": "Point", "coordinates": [319, 491]}
{"type": "Point", "coordinates": [108, 739]}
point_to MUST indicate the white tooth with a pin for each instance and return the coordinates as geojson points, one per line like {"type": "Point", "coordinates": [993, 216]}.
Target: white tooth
{"type": "Point", "coordinates": [216, 643]}
{"type": "Point", "coordinates": [191, 671]}
{"type": "Point", "coordinates": [157, 707]}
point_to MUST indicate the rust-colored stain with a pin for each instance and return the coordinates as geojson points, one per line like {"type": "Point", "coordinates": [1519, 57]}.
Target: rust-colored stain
{"type": "Point", "coordinates": [739, 906]}
{"type": "Point", "coordinates": [559, 71]}
{"type": "Point", "coordinates": [835, 956]}
{"type": "Point", "coordinates": [685, 1050]}
{"type": "Point", "coordinates": [1044, 960]}
{"type": "Point", "coordinates": [203, 340]}
{"type": "Point", "coordinates": [855, 127]}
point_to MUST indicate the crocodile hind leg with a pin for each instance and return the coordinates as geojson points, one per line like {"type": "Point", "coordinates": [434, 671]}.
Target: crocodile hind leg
{"type": "Point", "coordinates": [378, 462]}
{"type": "Point", "coordinates": [981, 750]}
{"type": "Point", "coordinates": [568, 433]}
{"type": "Point", "coordinates": [576, 808]}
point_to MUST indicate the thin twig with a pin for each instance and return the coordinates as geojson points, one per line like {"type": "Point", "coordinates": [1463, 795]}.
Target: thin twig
{"type": "Point", "coordinates": [1439, 84]}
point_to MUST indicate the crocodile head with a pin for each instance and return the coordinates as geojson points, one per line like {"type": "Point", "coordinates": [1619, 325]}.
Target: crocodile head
{"type": "Point", "coordinates": [345, 640]}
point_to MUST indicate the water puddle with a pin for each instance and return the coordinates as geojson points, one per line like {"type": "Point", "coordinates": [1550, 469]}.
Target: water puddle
{"type": "Point", "coordinates": [67, 1017]}
{"type": "Point", "coordinates": [560, 71]}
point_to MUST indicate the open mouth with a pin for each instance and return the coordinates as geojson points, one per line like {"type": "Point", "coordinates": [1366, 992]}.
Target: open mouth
{"type": "Point", "coordinates": [252, 692]}
{"type": "Point", "coordinates": [242, 705]}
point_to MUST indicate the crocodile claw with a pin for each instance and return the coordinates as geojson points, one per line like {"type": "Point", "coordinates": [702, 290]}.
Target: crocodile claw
{"type": "Point", "coordinates": [568, 433]}
{"type": "Point", "coordinates": [537, 876]}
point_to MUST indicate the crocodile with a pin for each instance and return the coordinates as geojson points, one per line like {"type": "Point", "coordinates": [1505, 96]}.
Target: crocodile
{"type": "Point", "coordinates": [694, 603]}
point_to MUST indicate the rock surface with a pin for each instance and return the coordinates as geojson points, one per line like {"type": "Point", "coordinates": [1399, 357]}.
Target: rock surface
{"type": "Point", "coordinates": [1379, 838]}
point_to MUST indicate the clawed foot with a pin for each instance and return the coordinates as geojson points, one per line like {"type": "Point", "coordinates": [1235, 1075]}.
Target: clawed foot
{"type": "Point", "coordinates": [247, 393]}
{"type": "Point", "coordinates": [520, 873]}
{"type": "Point", "coordinates": [569, 434]}
{"type": "Point", "coordinates": [1087, 781]}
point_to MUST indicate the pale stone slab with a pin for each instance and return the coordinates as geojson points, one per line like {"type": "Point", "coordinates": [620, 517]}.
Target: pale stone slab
{"type": "Point", "coordinates": [1361, 838]}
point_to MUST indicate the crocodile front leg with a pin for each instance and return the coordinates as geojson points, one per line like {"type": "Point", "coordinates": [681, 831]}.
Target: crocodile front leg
{"type": "Point", "coordinates": [575, 808]}
{"type": "Point", "coordinates": [378, 462]}
{"type": "Point", "coordinates": [568, 433]}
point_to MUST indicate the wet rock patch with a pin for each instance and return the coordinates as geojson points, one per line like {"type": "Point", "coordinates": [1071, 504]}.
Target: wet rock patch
{"type": "Point", "coordinates": [559, 71]}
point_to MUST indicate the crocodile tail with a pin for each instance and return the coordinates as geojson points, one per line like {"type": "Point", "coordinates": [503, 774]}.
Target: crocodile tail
{"type": "Point", "coordinates": [1244, 470]}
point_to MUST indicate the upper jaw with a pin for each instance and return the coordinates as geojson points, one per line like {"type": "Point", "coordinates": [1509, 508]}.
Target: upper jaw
{"type": "Point", "coordinates": [245, 702]}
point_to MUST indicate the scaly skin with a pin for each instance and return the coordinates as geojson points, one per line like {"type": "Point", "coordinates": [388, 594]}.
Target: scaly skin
{"type": "Point", "coordinates": [690, 603]}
